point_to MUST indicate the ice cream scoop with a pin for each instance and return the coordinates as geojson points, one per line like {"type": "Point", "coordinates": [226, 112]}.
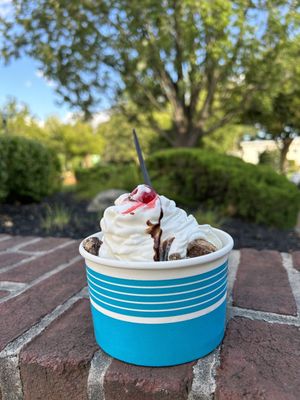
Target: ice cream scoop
{"type": "Point", "coordinates": [143, 226]}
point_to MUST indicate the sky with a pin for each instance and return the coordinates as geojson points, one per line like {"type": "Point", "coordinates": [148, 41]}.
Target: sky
{"type": "Point", "coordinates": [23, 80]}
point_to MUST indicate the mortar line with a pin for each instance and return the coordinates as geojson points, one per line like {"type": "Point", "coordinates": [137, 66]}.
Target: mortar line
{"type": "Point", "coordinates": [11, 286]}
{"type": "Point", "coordinates": [204, 379]}
{"type": "Point", "coordinates": [60, 246]}
{"type": "Point", "coordinates": [234, 261]}
{"type": "Point", "coordinates": [42, 278]}
{"type": "Point", "coordinates": [255, 315]}
{"type": "Point", "coordinates": [204, 371]}
{"type": "Point", "coordinates": [18, 246]}
{"type": "Point", "coordinates": [10, 378]}
{"type": "Point", "coordinates": [293, 277]}
{"type": "Point", "coordinates": [95, 383]}
{"type": "Point", "coordinates": [34, 256]}
{"type": "Point", "coordinates": [4, 238]}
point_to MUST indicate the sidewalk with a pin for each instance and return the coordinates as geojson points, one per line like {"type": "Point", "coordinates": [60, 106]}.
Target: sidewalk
{"type": "Point", "coordinates": [47, 348]}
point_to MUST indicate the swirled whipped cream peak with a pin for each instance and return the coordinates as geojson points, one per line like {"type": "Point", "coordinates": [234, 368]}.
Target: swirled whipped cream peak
{"type": "Point", "coordinates": [144, 226]}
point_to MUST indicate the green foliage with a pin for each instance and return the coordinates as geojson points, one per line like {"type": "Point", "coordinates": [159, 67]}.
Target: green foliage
{"type": "Point", "coordinates": [270, 158]}
{"type": "Point", "coordinates": [101, 177]}
{"type": "Point", "coordinates": [31, 170]}
{"type": "Point", "coordinates": [255, 193]}
{"type": "Point", "coordinates": [211, 217]}
{"type": "Point", "coordinates": [3, 171]}
{"type": "Point", "coordinates": [278, 113]}
{"type": "Point", "coordinates": [227, 138]}
{"type": "Point", "coordinates": [73, 141]}
{"type": "Point", "coordinates": [56, 217]}
{"type": "Point", "coordinates": [199, 61]}
{"type": "Point", "coordinates": [118, 146]}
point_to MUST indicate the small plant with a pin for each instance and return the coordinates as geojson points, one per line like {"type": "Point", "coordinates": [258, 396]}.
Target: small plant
{"type": "Point", "coordinates": [209, 217]}
{"type": "Point", "coordinates": [56, 217]}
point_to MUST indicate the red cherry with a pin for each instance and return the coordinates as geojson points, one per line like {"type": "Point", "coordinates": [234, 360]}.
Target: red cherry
{"type": "Point", "coordinates": [144, 196]}
{"type": "Point", "coordinates": [148, 196]}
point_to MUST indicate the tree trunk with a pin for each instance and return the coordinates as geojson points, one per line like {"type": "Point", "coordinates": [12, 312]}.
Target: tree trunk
{"type": "Point", "coordinates": [187, 138]}
{"type": "Point", "coordinates": [284, 149]}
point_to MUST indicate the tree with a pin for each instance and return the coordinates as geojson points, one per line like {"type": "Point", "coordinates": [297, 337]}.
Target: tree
{"type": "Point", "coordinates": [227, 138]}
{"type": "Point", "coordinates": [16, 118]}
{"type": "Point", "coordinates": [277, 113]}
{"type": "Point", "coordinates": [201, 61]}
{"type": "Point", "coordinates": [279, 119]}
{"type": "Point", "coordinates": [73, 142]}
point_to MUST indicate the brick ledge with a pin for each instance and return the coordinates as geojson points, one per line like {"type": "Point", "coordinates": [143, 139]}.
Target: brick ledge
{"type": "Point", "coordinates": [53, 355]}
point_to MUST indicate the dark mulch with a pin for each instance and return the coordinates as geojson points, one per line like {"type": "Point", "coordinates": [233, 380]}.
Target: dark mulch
{"type": "Point", "coordinates": [26, 219]}
{"type": "Point", "coordinates": [260, 237]}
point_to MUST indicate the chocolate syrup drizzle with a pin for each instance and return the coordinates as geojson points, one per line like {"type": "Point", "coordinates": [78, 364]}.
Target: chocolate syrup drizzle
{"type": "Point", "coordinates": [155, 231]}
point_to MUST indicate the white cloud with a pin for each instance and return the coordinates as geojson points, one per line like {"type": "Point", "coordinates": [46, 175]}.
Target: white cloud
{"type": "Point", "coordinates": [69, 118]}
{"type": "Point", "coordinates": [49, 82]}
{"type": "Point", "coordinates": [99, 118]}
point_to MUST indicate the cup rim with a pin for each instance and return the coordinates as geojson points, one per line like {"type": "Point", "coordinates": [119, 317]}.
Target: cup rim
{"type": "Point", "coordinates": [154, 265]}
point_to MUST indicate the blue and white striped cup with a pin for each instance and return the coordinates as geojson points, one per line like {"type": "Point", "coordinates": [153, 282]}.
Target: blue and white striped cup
{"type": "Point", "coordinates": [159, 313]}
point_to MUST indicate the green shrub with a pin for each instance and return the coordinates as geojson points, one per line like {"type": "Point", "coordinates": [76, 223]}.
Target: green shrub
{"type": "Point", "coordinates": [255, 193]}
{"type": "Point", "coordinates": [29, 170]}
{"type": "Point", "coordinates": [107, 176]}
{"type": "Point", "coordinates": [3, 172]}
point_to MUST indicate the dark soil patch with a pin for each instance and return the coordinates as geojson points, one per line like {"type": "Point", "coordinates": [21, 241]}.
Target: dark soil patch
{"type": "Point", "coordinates": [260, 237]}
{"type": "Point", "coordinates": [27, 219]}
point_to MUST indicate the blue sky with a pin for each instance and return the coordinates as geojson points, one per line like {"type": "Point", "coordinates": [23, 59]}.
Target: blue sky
{"type": "Point", "coordinates": [23, 80]}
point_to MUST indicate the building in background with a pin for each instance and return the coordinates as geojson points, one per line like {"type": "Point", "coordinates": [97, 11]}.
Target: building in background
{"type": "Point", "coordinates": [251, 150]}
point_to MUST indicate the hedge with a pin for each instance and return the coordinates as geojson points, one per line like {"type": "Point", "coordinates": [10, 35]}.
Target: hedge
{"type": "Point", "coordinates": [106, 176]}
{"type": "Point", "coordinates": [29, 170]}
{"type": "Point", "coordinates": [255, 193]}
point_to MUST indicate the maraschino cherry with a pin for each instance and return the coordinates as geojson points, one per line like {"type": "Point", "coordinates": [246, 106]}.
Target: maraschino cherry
{"type": "Point", "coordinates": [143, 194]}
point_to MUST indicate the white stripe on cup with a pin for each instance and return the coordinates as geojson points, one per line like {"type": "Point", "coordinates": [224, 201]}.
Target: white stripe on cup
{"type": "Point", "coordinates": [158, 311]}
{"type": "Point", "coordinates": [159, 302]}
{"type": "Point", "coordinates": [159, 286]}
{"type": "Point", "coordinates": [156, 294]}
{"type": "Point", "coordinates": [158, 320]}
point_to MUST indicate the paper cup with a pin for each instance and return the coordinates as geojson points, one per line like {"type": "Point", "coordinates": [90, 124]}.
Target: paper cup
{"type": "Point", "coordinates": [159, 313]}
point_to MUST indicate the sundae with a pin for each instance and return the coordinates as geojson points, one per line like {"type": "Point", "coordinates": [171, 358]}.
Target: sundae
{"type": "Point", "coordinates": [144, 226]}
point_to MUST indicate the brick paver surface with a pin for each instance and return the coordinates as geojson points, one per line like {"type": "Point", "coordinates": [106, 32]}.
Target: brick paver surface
{"type": "Point", "coordinates": [48, 350]}
{"type": "Point", "coordinates": [262, 283]}
{"type": "Point", "coordinates": [259, 361]}
{"type": "Point", "coordinates": [296, 259]}
{"type": "Point", "coordinates": [55, 365]}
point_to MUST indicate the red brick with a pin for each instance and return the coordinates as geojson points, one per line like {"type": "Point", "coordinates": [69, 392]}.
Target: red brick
{"type": "Point", "coordinates": [296, 260]}
{"type": "Point", "coordinates": [23, 311]}
{"type": "Point", "coordinates": [259, 361]}
{"type": "Point", "coordinates": [45, 244]}
{"type": "Point", "coordinates": [55, 365]}
{"type": "Point", "coordinates": [31, 270]}
{"type": "Point", "coordinates": [129, 382]}
{"type": "Point", "coordinates": [11, 258]}
{"type": "Point", "coordinates": [14, 241]}
{"type": "Point", "coordinates": [262, 283]}
{"type": "Point", "coordinates": [3, 293]}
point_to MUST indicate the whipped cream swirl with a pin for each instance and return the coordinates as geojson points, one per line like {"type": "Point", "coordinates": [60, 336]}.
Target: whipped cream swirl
{"type": "Point", "coordinates": [143, 226]}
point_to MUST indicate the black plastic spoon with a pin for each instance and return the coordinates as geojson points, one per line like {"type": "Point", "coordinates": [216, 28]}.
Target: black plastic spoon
{"type": "Point", "coordinates": [141, 159]}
